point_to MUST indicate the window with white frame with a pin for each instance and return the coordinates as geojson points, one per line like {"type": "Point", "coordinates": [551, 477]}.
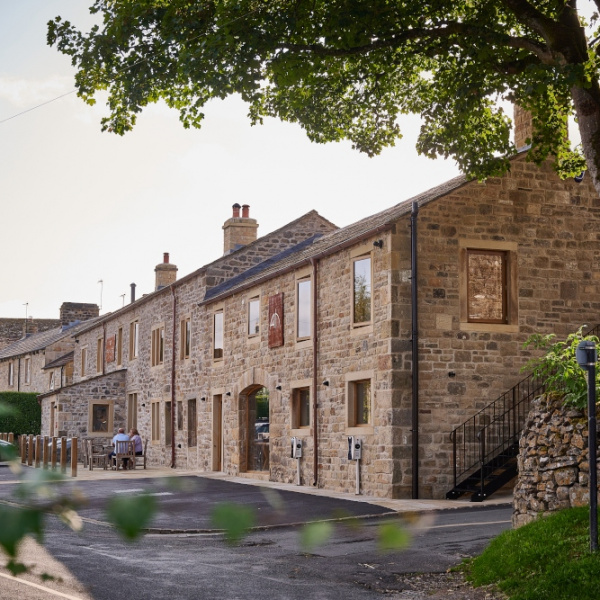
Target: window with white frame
{"type": "Point", "coordinates": [218, 335]}
{"type": "Point", "coordinates": [254, 316]}
{"type": "Point", "coordinates": [11, 374]}
{"type": "Point", "coordinates": [303, 308]}
{"type": "Point", "coordinates": [134, 339]}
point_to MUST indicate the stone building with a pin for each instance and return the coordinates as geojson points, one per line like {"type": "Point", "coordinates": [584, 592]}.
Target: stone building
{"type": "Point", "coordinates": [394, 330]}
{"type": "Point", "coordinates": [43, 360]}
{"type": "Point", "coordinates": [12, 330]}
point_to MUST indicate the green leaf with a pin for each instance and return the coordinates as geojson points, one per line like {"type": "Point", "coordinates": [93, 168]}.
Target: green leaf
{"type": "Point", "coordinates": [131, 514]}
{"type": "Point", "coordinates": [315, 534]}
{"type": "Point", "coordinates": [234, 519]}
{"type": "Point", "coordinates": [392, 537]}
{"type": "Point", "coordinates": [15, 524]}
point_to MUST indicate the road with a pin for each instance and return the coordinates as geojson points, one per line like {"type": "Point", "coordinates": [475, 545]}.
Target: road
{"type": "Point", "coordinates": [269, 563]}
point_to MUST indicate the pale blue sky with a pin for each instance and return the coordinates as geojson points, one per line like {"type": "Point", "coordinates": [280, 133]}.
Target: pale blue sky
{"type": "Point", "coordinates": [81, 206]}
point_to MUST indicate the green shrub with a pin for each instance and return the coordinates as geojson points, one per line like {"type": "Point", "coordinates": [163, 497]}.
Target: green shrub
{"type": "Point", "coordinates": [558, 368]}
{"type": "Point", "coordinates": [21, 413]}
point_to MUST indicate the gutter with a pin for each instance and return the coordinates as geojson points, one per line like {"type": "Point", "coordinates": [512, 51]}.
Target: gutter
{"type": "Point", "coordinates": [315, 365]}
{"type": "Point", "coordinates": [415, 350]}
{"type": "Point", "coordinates": [173, 406]}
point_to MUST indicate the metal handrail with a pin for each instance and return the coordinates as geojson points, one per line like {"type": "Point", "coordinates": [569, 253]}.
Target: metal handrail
{"type": "Point", "coordinates": [495, 428]}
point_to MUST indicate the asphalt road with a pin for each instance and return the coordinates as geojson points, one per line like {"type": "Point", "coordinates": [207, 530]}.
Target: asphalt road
{"type": "Point", "coordinates": [269, 563]}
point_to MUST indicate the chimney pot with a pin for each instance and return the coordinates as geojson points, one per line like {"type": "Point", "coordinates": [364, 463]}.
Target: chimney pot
{"type": "Point", "coordinates": [236, 210]}
{"type": "Point", "coordinates": [133, 292]}
{"type": "Point", "coordinates": [245, 211]}
{"type": "Point", "coordinates": [166, 258]}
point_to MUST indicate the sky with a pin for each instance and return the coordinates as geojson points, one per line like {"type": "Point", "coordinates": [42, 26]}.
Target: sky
{"type": "Point", "coordinates": [86, 213]}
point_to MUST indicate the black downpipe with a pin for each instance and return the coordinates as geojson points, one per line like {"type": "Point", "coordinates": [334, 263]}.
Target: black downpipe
{"type": "Point", "coordinates": [415, 351]}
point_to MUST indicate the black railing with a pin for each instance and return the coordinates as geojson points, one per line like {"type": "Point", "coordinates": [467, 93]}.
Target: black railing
{"type": "Point", "coordinates": [479, 443]}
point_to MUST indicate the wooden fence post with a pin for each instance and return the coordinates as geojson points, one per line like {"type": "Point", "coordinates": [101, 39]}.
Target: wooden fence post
{"type": "Point", "coordinates": [46, 452]}
{"type": "Point", "coordinates": [53, 453]}
{"type": "Point", "coordinates": [30, 450]}
{"type": "Point", "coordinates": [38, 451]}
{"type": "Point", "coordinates": [11, 438]}
{"type": "Point", "coordinates": [23, 447]}
{"type": "Point", "coordinates": [63, 454]}
{"type": "Point", "coordinates": [74, 456]}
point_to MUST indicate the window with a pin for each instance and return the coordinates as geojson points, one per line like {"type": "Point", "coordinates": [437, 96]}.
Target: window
{"type": "Point", "coordinates": [487, 286]}
{"type": "Point", "coordinates": [156, 421]}
{"type": "Point", "coordinates": [362, 301]}
{"type": "Point", "coordinates": [179, 415]}
{"type": "Point", "coordinates": [51, 381]}
{"type": "Point", "coordinates": [359, 402]}
{"type": "Point", "coordinates": [132, 411]}
{"type": "Point", "coordinates": [303, 308]}
{"type": "Point", "coordinates": [134, 339]}
{"type": "Point", "coordinates": [84, 361]}
{"type": "Point", "coordinates": [11, 374]}
{"type": "Point", "coordinates": [185, 338]}
{"type": "Point", "coordinates": [27, 371]}
{"type": "Point", "coordinates": [254, 316]}
{"type": "Point", "coordinates": [301, 408]}
{"type": "Point", "coordinates": [101, 419]}
{"type": "Point", "coordinates": [168, 437]}
{"type": "Point", "coordinates": [99, 355]}
{"type": "Point", "coordinates": [158, 345]}
{"type": "Point", "coordinates": [192, 423]}
{"type": "Point", "coordinates": [218, 335]}
{"type": "Point", "coordinates": [120, 346]}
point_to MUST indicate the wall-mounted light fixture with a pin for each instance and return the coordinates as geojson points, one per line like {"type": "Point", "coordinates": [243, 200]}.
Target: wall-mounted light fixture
{"type": "Point", "coordinates": [143, 404]}
{"type": "Point", "coordinates": [203, 399]}
{"type": "Point", "coordinates": [452, 374]}
{"type": "Point", "coordinates": [278, 387]}
{"type": "Point", "coordinates": [326, 382]}
{"type": "Point", "coordinates": [228, 393]}
{"type": "Point", "coordinates": [378, 244]}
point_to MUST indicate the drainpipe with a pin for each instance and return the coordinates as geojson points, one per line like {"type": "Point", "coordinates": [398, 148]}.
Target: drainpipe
{"type": "Point", "coordinates": [415, 351]}
{"type": "Point", "coordinates": [173, 379]}
{"type": "Point", "coordinates": [314, 263]}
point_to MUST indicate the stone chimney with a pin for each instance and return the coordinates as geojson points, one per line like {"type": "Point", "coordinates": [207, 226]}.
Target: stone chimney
{"type": "Point", "coordinates": [71, 312]}
{"type": "Point", "coordinates": [523, 127]}
{"type": "Point", "coordinates": [239, 231]}
{"type": "Point", "coordinates": [29, 327]}
{"type": "Point", "coordinates": [166, 273]}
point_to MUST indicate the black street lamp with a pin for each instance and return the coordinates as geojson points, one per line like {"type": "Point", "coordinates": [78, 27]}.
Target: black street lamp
{"type": "Point", "coordinates": [587, 356]}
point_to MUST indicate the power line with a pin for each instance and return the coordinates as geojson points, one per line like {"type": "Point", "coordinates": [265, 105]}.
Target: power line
{"type": "Point", "coordinates": [124, 70]}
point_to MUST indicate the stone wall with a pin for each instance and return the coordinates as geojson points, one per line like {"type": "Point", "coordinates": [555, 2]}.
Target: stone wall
{"type": "Point", "coordinates": [553, 461]}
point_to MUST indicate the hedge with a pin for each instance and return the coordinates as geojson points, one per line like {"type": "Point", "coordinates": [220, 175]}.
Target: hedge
{"type": "Point", "coordinates": [24, 413]}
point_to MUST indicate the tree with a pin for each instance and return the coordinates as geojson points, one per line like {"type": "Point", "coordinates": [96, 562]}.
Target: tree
{"type": "Point", "coordinates": [345, 69]}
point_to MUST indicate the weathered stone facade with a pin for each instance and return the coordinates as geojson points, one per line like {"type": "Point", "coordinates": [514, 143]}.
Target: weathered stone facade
{"type": "Point", "coordinates": [553, 461]}
{"type": "Point", "coordinates": [196, 354]}
{"type": "Point", "coordinates": [12, 330]}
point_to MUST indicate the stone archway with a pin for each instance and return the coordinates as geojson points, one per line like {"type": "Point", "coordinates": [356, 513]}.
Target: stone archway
{"type": "Point", "coordinates": [253, 411]}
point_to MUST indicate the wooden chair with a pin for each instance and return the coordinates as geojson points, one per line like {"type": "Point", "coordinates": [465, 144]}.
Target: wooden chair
{"type": "Point", "coordinates": [124, 451]}
{"type": "Point", "coordinates": [96, 457]}
{"type": "Point", "coordinates": [143, 455]}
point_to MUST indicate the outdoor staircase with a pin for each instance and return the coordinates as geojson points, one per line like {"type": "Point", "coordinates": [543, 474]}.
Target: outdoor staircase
{"type": "Point", "coordinates": [485, 447]}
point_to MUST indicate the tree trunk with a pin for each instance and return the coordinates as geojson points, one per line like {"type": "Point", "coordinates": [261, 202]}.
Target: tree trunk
{"type": "Point", "coordinates": [587, 109]}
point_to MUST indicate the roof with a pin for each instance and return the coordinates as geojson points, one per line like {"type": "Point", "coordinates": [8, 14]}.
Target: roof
{"type": "Point", "coordinates": [38, 341]}
{"type": "Point", "coordinates": [329, 243]}
{"type": "Point", "coordinates": [61, 361]}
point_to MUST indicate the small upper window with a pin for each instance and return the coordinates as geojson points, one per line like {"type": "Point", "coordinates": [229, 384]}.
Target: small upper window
{"type": "Point", "coordinates": [185, 338]}
{"type": "Point", "coordinates": [218, 335]}
{"type": "Point", "coordinates": [303, 316]}
{"type": "Point", "coordinates": [360, 403]}
{"type": "Point", "coordinates": [134, 339]}
{"type": "Point", "coordinates": [362, 291]}
{"type": "Point", "coordinates": [11, 374]}
{"type": "Point", "coordinates": [254, 316]}
{"type": "Point", "coordinates": [158, 346]}
{"type": "Point", "coordinates": [84, 361]}
{"type": "Point", "coordinates": [487, 286]}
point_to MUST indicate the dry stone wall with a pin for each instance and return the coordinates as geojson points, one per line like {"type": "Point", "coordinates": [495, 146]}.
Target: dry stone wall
{"type": "Point", "coordinates": [553, 461]}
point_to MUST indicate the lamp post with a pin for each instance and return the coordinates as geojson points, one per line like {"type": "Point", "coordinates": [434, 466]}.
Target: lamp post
{"type": "Point", "coordinates": [587, 356]}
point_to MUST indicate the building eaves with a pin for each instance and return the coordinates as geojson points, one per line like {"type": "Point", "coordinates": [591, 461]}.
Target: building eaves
{"type": "Point", "coordinates": [335, 241]}
{"type": "Point", "coordinates": [61, 361]}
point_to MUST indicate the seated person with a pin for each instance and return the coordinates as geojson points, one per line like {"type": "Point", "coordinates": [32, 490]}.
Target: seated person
{"type": "Point", "coordinates": [134, 436]}
{"type": "Point", "coordinates": [121, 436]}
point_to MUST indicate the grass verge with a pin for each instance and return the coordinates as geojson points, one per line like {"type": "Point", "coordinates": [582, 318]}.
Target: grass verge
{"type": "Point", "coordinates": [547, 559]}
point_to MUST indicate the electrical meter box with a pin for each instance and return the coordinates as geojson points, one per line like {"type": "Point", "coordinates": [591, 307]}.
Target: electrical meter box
{"type": "Point", "coordinates": [354, 448]}
{"type": "Point", "coordinates": [296, 447]}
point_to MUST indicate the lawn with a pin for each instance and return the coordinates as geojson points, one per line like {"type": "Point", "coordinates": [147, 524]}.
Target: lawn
{"type": "Point", "coordinates": [548, 559]}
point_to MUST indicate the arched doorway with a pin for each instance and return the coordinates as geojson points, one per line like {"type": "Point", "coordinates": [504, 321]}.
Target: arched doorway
{"type": "Point", "coordinates": [254, 428]}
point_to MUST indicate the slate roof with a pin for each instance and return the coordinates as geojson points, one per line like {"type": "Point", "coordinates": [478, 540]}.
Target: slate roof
{"type": "Point", "coordinates": [328, 243]}
{"type": "Point", "coordinates": [61, 361]}
{"type": "Point", "coordinates": [38, 341]}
